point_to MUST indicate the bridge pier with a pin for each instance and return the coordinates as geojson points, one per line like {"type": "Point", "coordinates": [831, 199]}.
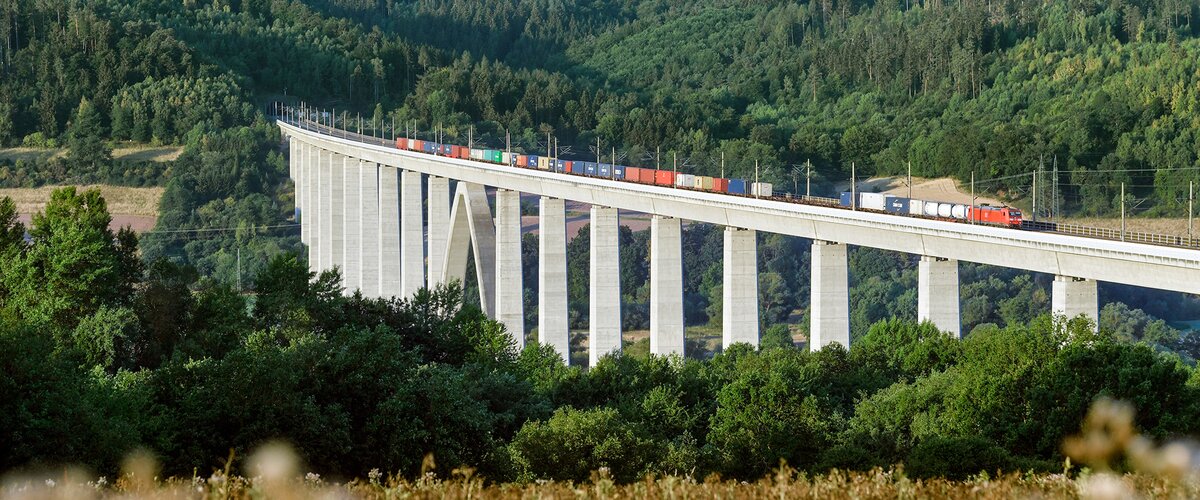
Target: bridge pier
{"type": "Point", "coordinates": [510, 308]}
{"type": "Point", "coordinates": [389, 232]}
{"type": "Point", "coordinates": [604, 297]}
{"type": "Point", "coordinates": [324, 240]}
{"type": "Point", "coordinates": [830, 296]}
{"type": "Point", "coordinates": [553, 315]}
{"type": "Point", "coordinates": [438, 228]}
{"type": "Point", "coordinates": [937, 294]}
{"type": "Point", "coordinates": [739, 288]}
{"type": "Point", "coordinates": [352, 241]}
{"type": "Point", "coordinates": [295, 166]}
{"type": "Point", "coordinates": [1071, 297]}
{"type": "Point", "coordinates": [312, 175]}
{"type": "Point", "coordinates": [337, 216]}
{"type": "Point", "coordinates": [368, 216]}
{"type": "Point", "coordinates": [412, 234]}
{"type": "Point", "coordinates": [666, 287]}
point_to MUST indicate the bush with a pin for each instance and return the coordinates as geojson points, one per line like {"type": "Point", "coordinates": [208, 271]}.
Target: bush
{"type": "Point", "coordinates": [573, 443]}
{"type": "Point", "coordinates": [956, 457]}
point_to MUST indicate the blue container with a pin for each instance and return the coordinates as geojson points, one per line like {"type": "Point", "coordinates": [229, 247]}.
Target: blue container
{"type": "Point", "coordinates": [559, 166]}
{"type": "Point", "coordinates": [430, 148]}
{"type": "Point", "coordinates": [447, 149]}
{"type": "Point", "coordinates": [844, 200]}
{"type": "Point", "coordinates": [533, 161]}
{"type": "Point", "coordinates": [605, 170]}
{"type": "Point", "coordinates": [619, 172]}
{"type": "Point", "coordinates": [896, 205]}
{"type": "Point", "coordinates": [737, 186]}
{"type": "Point", "coordinates": [589, 168]}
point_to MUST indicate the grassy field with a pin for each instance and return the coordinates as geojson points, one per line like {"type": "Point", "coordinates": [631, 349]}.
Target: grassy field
{"type": "Point", "coordinates": [121, 200]}
{"type": "Point", "coordinates": [127, 153]}
{"type": "Point", "coordinates": [784, 484]}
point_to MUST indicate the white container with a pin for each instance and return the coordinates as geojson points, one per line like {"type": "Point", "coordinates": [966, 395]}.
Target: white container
{"type": "Point", "coordinates": [945, 209]}
{"type": "Point", "coordinates": [872, 201]}
{"type": "Point", "coordinates": [506, 158]}
{"type": "Point", "coordinates": [412, 144]}
{"type": "Point", "coordinates": [959, 211]}
{"type": "Point", "coordinates": [685, 180]}
{"type": "Point", "coordinates": [916, 207]}
{"type": "Point", "coordinates": [763, 189]}
{"type": "Point", "coordinates": [476, 154]}
{"type": "Point", "coordinates": [930, 208]}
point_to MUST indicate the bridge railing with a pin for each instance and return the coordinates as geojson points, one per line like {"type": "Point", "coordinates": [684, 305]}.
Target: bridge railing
{"type": "Point", "coordinates": [1056, 227]}
{"type": "Point", "coordinates": [1112, 234]}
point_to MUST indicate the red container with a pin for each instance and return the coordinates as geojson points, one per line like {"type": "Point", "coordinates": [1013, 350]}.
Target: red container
{"type": "Point", "coordinates": [720, 185]}
{"type": "Point", "coordinates": [632, 173]}
{"type": "Point", "coordinates": [401, 143]}
{"type": "Point", "coordinates": [523, 161]}
{"type": "Point", "coordinates": [646, 176]}
{"type": "Point", "coordinates": [420, 146]}
{"type": "Point", "coordinates": [664, 177]}
{"type": "Point", "coordinates": [569, 167]}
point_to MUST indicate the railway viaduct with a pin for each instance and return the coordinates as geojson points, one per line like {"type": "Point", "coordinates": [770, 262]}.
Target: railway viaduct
{"type": "Point", "coordinates": [394, 221]}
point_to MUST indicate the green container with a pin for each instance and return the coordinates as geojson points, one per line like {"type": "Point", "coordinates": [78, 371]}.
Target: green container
{"type": "Point", "coordinates": [496, 156]}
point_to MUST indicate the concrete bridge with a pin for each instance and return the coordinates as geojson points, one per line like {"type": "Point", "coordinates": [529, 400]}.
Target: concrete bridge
{"type": "Point", "coordinates": [387, 219]}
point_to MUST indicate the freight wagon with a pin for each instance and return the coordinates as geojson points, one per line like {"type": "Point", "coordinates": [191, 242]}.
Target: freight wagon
{"type": "Point", "coordinates": [1001, 216]}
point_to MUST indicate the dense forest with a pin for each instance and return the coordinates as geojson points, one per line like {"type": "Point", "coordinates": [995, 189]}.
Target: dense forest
{"type": "Point", "coordinates": [110, 342]}
{"type": "Point", "coordinates": [129, 356]}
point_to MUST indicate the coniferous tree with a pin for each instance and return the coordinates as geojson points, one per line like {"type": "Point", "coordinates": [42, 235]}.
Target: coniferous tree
{"type": "Point", "coordinates": [85, 137]}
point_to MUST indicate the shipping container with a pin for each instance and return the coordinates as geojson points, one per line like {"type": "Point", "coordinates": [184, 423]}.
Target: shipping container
{"type": "Point", "coordinates": [872, 201]}
{"type": "Point", "coordinates": [632, 173]}
{"type": "Point", "coordinates": [945, 209]}
{"type": "Point", "coordinates": [497, 156]}
{"type": "Point", "coordinates": [896, 205]}
{"type": "Point", "coordinates": [720, 185]}
{"type": "Point", "coordinates": [447, 150]}
{"type": "Point", "coordinates": [685, 180]}
{"type": "Point", "coordinates": [844, 199]}
{"type": "Point", "coordinates": [431, 147]}
{"type": "Point", "coordinates": [664, 177]}
{"type": "Point", "coordinates": [543, 163]}
{"type": "Point", "coordinates": [915, 207]}
{"type": "Point", "coordinates": [604, 170]}
{"type": "Point", "coordinates": [507, 158]}
{"type": "Point", "coordinates": [590, 168]}
{"type": "Point", "coordinates": [618, 172]}
{"type": "Point", "coordinates": [761, 189]}
{"type": "Point", "coordinates": [522, 160]}
{"type": "Point", "coordinates": [646, 176]}
{"type": "Point", "coordinates": [737, 186]}
{"type": "Point", "coordinates": [414, 145]}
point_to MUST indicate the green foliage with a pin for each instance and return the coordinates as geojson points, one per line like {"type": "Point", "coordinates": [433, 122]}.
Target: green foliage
{"type": "Point", "coordinates": [85, 137]}
{"type": "Point", "coordinates": [573, 443]}
{"type": "Point", "coordinates": [956, 458]}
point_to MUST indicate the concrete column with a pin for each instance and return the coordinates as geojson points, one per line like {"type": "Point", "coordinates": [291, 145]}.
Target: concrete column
{"type": "Point", "coordinates": [312, 202]}
{"type": "Point", "coordinates": [553, 319]}
{"type": "Point", "coordinates": [368, 214]}
{"type": "Point", "coordinates": [323, 242]}
{"type": "Point", "coordinates": [1071, 297]}
{"type": "Point", "coordinates": [830, 300]}
{"type": "Point", "coordinates": [937, 294]}
{"type": "Point", "coordinates": [739, 288]}
{"type": "Point", "coordinates": [337, 217]}
{"type": "Point", "coordinates": [604, 298]}
{"type": "Point", "coordinates": [509, 289]}
{"type": "Point", "coordinates": [352, 242]}
{"type": "Point", "coordinates": [666, 286]}
{"type": "Point", "coordinates": [412, 234]}
{"type": "Point", "coordinates": [295, 162]}
{"type": "Point", "coordinates": [438, 228]}
{"type": "Point", "coordinates": [389, 232]}
{"type": "Point", "coordinates": [304, 178]}
{"type": "Point", "coordinates": [472, 227]}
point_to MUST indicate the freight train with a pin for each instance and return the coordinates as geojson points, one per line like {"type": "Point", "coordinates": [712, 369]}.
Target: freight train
{"type": "Point", "coordinates": [1001, 216]}
{"type": "Point", "coordinates": [986, 214]}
